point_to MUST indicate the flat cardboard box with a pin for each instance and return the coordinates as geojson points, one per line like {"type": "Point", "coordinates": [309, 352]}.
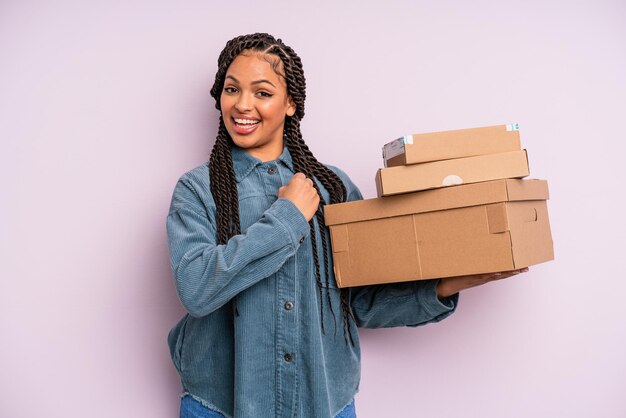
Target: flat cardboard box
{"type": "Point", "coordinates": [416, 177]}
{"type": "Point", "coordinates": [437, 146]}
{"type": "Point", "coordinates": [470, 229]}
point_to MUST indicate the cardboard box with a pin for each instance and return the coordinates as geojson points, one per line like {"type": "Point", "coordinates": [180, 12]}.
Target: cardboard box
{"type": "Point", "coordinates": [476, 228]}
{"type": "Point", "coordinates": [415, 177]}
{"type": "Point", "coordinates": [437, 146]}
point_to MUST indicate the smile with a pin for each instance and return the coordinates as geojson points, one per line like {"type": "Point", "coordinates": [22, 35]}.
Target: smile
{"type": "Point", "coordinates": [245, 126]}
{"type": "Point", "coordinates": [246, 121]}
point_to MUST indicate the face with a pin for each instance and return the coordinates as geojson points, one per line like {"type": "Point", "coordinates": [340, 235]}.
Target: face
{"type": "Point", "coordinates": [254, 105]}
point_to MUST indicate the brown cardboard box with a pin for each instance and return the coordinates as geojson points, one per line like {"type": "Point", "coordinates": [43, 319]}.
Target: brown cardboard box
{"type": "Point", "coordinates": [476, 228]}
{"type": "Point", "coordinates": [436, 146]}
{"type": "Point", "coordinates": [415, 177]}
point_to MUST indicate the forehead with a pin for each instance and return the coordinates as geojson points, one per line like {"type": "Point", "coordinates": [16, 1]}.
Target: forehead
{"type": "Point", "coordinates": [251, 66]}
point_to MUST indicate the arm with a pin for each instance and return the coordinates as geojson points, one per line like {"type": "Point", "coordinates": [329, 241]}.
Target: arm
{"type": "Point", "coordinates": [392, 305]}
{"type": "Point", "coordinates": [209, 275]}
{"type": "Point", "coordinates": [400, 304]}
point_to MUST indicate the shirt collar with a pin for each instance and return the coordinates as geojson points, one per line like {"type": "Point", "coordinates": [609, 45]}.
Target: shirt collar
{"type": "Point", "coordinates": [244, 163]}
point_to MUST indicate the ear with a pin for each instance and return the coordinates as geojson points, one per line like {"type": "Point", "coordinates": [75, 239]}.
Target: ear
{"type": "Point", "coordinates": [291, 107]}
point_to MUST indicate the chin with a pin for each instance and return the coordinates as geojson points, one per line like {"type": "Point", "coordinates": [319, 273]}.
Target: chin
{"type": "Point", "coordinates": [242, 143]}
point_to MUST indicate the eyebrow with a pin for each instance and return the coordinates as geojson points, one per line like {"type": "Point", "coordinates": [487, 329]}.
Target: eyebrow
{"type": "Point", "coordinates": [254, 82]}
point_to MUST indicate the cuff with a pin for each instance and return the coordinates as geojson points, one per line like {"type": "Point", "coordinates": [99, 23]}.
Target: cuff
{"type": "Point", "coordinates": [426, 295]}
{"type": "Point", "coordinates": [289, 216]}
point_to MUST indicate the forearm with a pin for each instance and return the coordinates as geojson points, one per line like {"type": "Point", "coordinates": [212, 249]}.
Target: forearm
{"type": "Point", "coordinates": [209, 275]}
{"type": "Point", "coordinates": [400, 304]}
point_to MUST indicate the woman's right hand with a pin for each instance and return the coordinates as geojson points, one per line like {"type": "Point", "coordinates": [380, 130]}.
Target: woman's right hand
{"type": "Point", "coordinates": [300, 192]}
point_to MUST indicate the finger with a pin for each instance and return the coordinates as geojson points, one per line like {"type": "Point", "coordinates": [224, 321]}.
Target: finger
{"type": "Point", "coordinates": [299, 176]}
{"type": "Point", "coordinates": [500, 275]}
{"type": "Point", "coordinates": [308, 180]}
{"type": "Point", "coordinates": [510, 272]}
{"type": "Point", "coordinates": [507, 274]}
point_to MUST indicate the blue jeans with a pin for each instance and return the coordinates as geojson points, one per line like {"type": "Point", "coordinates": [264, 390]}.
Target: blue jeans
{"type": "Point", "coordinates": [190, 408]}
{"type": "Point", "coordinates": [348, 411]}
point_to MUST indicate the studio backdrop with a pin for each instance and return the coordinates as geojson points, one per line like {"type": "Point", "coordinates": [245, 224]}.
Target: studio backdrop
{"type": "Point", "coordinates": [103, 105]}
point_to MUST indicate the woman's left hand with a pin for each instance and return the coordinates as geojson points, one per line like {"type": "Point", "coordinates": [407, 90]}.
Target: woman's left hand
{"type": "Point", "coordinates": [449, 286]}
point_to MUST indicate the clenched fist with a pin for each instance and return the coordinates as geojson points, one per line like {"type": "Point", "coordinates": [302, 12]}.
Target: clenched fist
{"type": "Point", "coordinates": [301, 192]}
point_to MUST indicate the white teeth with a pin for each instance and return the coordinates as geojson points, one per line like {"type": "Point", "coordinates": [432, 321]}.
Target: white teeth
{"type": "Point", "coordinates": [246, 121]}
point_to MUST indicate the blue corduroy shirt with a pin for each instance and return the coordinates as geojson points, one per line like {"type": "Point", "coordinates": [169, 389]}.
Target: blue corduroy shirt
{"type": "Point", "coordinates": [272, 359]}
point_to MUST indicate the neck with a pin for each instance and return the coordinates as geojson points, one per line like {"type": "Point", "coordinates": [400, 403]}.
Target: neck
{"type": "Point", "coordinates": [270, 153]}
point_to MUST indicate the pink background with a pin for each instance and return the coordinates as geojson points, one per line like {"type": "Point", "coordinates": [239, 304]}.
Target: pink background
{"type": "Point", "coordinates": [103, 105]}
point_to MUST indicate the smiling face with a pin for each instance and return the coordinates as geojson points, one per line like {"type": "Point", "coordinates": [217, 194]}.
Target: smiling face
{"type": "Point", "coordinates": [254, 104]}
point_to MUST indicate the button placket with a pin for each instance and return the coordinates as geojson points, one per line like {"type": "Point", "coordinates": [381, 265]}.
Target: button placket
{"type": "Point", "coordinates": [287, 327]}
{"type": "Point", "coordinates": [270, 175]}
{"type": "Point", "coordinates": [287, 336]}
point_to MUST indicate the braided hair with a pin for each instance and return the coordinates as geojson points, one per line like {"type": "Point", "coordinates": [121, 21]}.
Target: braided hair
{"type": "Point", "coordinates": [223, 182]}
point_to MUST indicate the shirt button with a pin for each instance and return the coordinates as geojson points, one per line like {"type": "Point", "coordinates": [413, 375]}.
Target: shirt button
{"type": "Point", "coordinates": [301, 240]}
{"type": "Point", "coordinates": [288, 305]}
{"type": "Point", "coordinates": [288, 357]}
{"type": "Point", "coordinates": [271, 170]}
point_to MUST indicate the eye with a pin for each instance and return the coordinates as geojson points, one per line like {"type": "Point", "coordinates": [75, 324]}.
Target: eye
{"type": "Point", "coordinates": [265, 94]}
{"type": "Point", "coordinates": [230, 90]}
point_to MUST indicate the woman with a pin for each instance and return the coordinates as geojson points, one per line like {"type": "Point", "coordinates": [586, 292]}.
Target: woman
{"type": "Point", "coordinates": [268, 333]}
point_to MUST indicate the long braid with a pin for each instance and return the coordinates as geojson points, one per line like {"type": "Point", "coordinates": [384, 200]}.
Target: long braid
{"type": "Point", "coordinates": [223, 184]}
{"type": "Point", "coordinates": [293, 141]}
{"type": "Point", "coordinates": [224, 190]}
{"type": "Point", "coordinates": [223, 181]}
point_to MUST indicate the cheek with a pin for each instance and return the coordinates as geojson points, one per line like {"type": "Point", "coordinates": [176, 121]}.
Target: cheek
{"type": "Point", "coordinates": [225, 103]}
{"type": "Point", "coordinates": [274, 111]}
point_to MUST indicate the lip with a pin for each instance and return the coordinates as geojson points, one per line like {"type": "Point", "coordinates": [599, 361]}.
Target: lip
{"type": "Point", "coordinates": [244, 129]}
{"type": "Point", "coordinates": [238, 116]}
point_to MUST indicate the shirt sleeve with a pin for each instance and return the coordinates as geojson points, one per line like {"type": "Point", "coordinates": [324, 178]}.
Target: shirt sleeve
{"type": "Point", "coordinates": [396, 304]}
{"type": "Point", "coordinates": [400, 304]}
{"type": "Point", "coordinates": [208, 275]}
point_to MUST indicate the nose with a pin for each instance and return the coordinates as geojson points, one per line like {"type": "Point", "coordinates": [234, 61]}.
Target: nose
{"type": "Point", "coordinates": [244, 103]}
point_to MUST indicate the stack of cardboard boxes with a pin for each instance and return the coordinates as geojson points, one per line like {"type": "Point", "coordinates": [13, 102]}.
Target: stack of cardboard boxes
{"type": "Point", "coordinates": [418, 228]}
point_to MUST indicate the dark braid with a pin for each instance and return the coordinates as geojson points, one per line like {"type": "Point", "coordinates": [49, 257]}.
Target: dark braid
{"type": "Point", "coordinates": [223, 182]}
